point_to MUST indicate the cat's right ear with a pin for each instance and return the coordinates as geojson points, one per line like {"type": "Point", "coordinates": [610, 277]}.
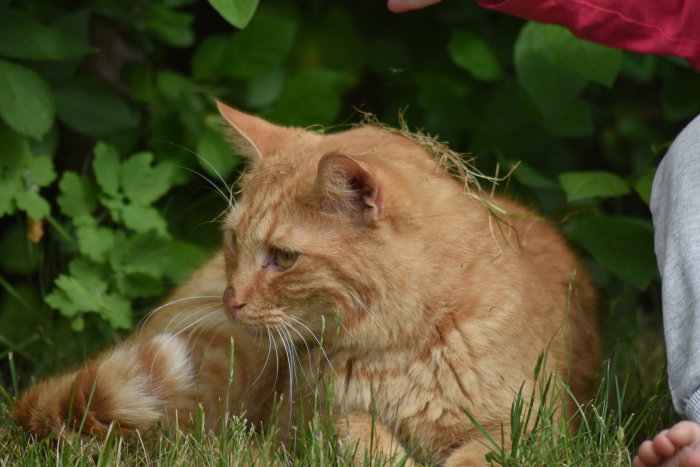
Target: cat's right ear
{"type": "Point", "coordinates": [345, 187]}
{"type": "Point", "coordinates": [253, 137]}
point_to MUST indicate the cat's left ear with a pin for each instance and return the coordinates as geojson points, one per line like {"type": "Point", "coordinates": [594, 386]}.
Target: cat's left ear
{"type": "Point", "coordinates": [254, 137]}
{"type": "Point", "coordinates": [344, 187]}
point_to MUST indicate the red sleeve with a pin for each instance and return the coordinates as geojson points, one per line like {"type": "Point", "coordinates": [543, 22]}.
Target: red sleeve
{"type": "Point", "coordinates": [668, 27]}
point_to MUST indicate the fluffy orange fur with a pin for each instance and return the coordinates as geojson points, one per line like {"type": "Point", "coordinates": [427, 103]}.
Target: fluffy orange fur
{"type": "Point", "coordinates": [360, 250]}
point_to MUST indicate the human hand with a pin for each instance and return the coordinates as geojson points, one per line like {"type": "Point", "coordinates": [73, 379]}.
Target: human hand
{"type": "Point", "coordinates": [400, 6]}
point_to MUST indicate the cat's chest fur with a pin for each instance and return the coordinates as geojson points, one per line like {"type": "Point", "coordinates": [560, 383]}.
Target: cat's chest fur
{"type": "Point", "coordinates": [420, 393]}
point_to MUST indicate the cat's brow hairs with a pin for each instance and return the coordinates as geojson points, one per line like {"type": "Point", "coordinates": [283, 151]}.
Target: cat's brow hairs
{"type": "Point", "coordinates": [277, 192]}
{"type": "Point", "coordinates": [254, 211]}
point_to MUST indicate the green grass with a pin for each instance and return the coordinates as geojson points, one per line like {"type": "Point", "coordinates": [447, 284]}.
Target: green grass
{"type": "Point", "coordinates": [607, 434]}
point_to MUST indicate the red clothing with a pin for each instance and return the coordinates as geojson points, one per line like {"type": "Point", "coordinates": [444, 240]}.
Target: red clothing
{"type": "Point", "coordinates": [668, 27]}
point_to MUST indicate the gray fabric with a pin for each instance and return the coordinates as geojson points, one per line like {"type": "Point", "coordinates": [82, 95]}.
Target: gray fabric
{"type": "Point", "coordinates": [675, 208]}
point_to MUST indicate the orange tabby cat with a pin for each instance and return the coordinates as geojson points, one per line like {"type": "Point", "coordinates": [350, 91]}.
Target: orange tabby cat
{"type": "Point", "coordinates": [359, 249]}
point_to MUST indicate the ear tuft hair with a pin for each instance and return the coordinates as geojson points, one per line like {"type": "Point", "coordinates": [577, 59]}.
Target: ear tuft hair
{"type": "Point", "coordinates": [344, 187]}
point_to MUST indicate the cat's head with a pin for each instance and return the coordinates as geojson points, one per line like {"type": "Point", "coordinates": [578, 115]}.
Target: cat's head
{"type": "Point", "coordinates": [329, 229]}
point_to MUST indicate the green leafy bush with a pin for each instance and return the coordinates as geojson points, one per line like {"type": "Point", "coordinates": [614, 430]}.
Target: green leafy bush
{"type": "Point", "coordinates": [112, 164]}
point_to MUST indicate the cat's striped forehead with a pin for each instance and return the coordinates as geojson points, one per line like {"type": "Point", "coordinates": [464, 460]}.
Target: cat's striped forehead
{"type": "Point", "coordinates": [266, 210]}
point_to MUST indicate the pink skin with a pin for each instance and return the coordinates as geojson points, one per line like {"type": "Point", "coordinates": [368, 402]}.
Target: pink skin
{"type": "Point", "coordinates": [677, 446]}
{"type": "Point", "coordinates": [400, 6]}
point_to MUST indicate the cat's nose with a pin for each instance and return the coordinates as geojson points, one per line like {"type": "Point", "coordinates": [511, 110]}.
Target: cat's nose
{"type": "Point", "coordinates": [231, 303]}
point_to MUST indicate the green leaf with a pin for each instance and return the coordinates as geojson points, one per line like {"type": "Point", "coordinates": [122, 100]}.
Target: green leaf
{"type": "Point", "coordinates": [680, 95]}
{"type": "Point", "coordinates": [584, 185]}
{"type": "Point", "coordinates": [209, 56]}
{"type": "Point", "coordinates": [237, 12]}
{"type": "Point", "coordinates": [139, 285]}
{"type": "Point", "coordinates": [85, 293]}
{"type": "Point", "coordinates": [551, 84]}
{"type": "Point", "coordinates": [90, 107]}
{"type": "Point", "coordinates": [596, 62]}
{"type": "Point", "coordinates": [576, 121]}
{"type": "Point", "coordinates": [261, 47]}
{"type": "Point", "coordinates": [41, 170]}
{"type": "Point", "coordinates": [77, 196]}
{"type": "Point", "coordinates": [215, 155]}
{"type": "Point", "coordinates": [33, 204]}
{"type": "Point", "coordinates": [77, 324]}
{"type": "Point", "coordinates": [8, 188]}
{"type": "Point", "coordinates": [21, 176]}
{"type": "Point", "coordinates": [142, 183]}
{"type": "Point", "coordinates": [643, 185]}
{"type": "Point", "coordinates": [144, 219]}
{"type": "Point", "coordinates": [641, 68]}
{"type": "Point", "coordinates": [140, 79]}
{"type": "Point", "coordinates": [265, 89]}
{"type": "Point", "coordinates": [88, 272]}
{"type": "Point", "coordinates": [183, 259]}
{"type": "Point", "coordinates": [177, 3]}
{"type": "Point", "coordinates": [86, 290]}
{"type": "Point", "coordinates": [106, 168]}
{"type": "Point", "coordinates": [95, 242]}
{"type": "Point", "coordinates": [47, 145]}
{"type": "Point", "coordinates": [75, 23]}
{"type": "Point", "coordinates": [21, 36]}
{"type": "Point", "coordinates": [471, 53]}
{"type": "Point", "coordinates": [84, 296]}
{"type": "Point", "coordinates": [26, 102]}
{"type": "Point", "coordinates": [117, 310]}
{"type": "Point", "coordinates": [443, 98]}
{"type": "Point", "coordinates": [15, 151]}
{"type": "Point", "coordinates": [59, 300]}
{"type": "Point", "coordinates": [115, 206]}
{"type": "Point", "coordinates": [312, 96]}
{"type": "Point", "coordinates": [338, 43]}
{"type": "Point", "coordinates": [530, 177]}
{"type": "Point", "coordinates": [17, 254]}
{"type": "Point", "coordinates": [172, 27]}
{"type": "Point", "coordinates": [174, 86]}
{"type": "Point", "coordinates": [140, 254]}
{"type": "Point", "coordinates": [623, 245]}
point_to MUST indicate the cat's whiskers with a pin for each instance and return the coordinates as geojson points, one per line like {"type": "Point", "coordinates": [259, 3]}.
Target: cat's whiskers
{"type": "Point", "coordinates": [277, 357]}
{"type": "Point", "coordinates": [286, 329]}
{"type": "Point", "coordinates": [197, 321]}
{"type": "Point", "coordinates": [371, 315]}
{"type": "Point", "coordinates": [150, 314]}
{"type": "Point", "coordinates": [195, 335]}
{"type": "Point", "coordinates": [308, 351]}
{"type": "Point", "coordinates": [183, 317]}
{"type": "Point", "coordinates": [267, 359]}
{"type": "Point", "coordinates": [320, 346]}
{"type": "Point", "coordinates": [230, 200]}
{"type": "Point", "coordinates": [212, 338]}
{"type": "Point", "coordinates": [291, 368]}
{"type": "Point", "coordinates": [346, 329]}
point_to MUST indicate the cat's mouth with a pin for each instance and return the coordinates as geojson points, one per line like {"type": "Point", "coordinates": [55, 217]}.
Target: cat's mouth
{"type": "Point", "coordinates": [260, 323]}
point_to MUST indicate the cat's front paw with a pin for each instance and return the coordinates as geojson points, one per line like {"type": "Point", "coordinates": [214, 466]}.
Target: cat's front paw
{"type": "Point", "coordinates": [133, 385]}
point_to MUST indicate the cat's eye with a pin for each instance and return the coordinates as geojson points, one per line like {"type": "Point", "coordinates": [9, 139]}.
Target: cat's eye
{"type": "Point", "coordinates": [285, 259]}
